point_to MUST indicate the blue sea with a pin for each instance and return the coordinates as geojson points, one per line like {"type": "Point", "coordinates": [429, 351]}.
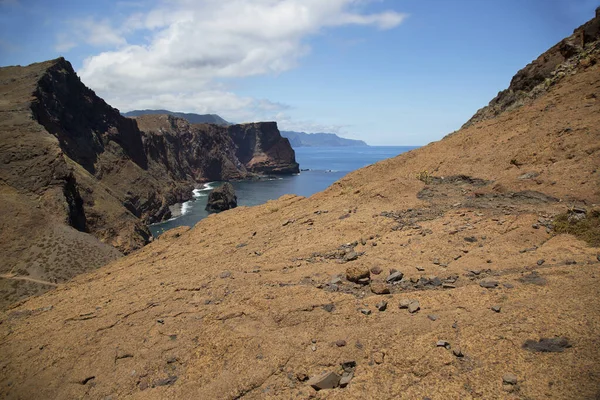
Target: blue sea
{"type": "Point", "coordinates": [321, 166]}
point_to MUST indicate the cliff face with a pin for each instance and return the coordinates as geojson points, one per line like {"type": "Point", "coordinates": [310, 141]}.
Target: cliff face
{"type": "Point", "coordinates": [71, 164]}
{"type": "Point", "coordinates": [575, 53]}
{"type": "Point", "coordinates": [262, 149]}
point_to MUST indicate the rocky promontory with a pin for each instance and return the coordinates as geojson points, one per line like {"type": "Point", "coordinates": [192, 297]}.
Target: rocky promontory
{"type": "Point", "coordinates": [222, 198]}
{"type": "Point", "coordinates": [80, 182]}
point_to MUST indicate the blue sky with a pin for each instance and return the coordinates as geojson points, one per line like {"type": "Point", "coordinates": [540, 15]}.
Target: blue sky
{"type": "Point", "coordinates": [390, 72]}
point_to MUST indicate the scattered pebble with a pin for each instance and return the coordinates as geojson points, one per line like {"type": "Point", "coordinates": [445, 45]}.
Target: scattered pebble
{"type": "Point", "coordinates": [380, 288]}
{"type": "Point", "coordinates": [488, 284]}
{"type": "Point", "coordinates": [432, 317]}
{"type": "Point", "coordinates": [340, 343]}
{"type": "Point", "coordinates": [443, 343]}
{"type": "Point", "coordinates": [365, 311]}
{"type": "Point", "coordinates": [457, 352]}
{"type": "Point", "coordinates": [496, 309]}
{"type": "Point", "coordinates": [382, 305]}
{"type": "Point", "coordinates": [420, 269]}
{"type": "Point", "coordinates": [346, 378]}
{"type": "Point", "coordinates": [351, 256]}
{"type": "Point", "coordinates": [326, 380]}
{"type": "Point", "coordinates": [510, 379]}
{"type": "Point", "coordinates": [394, 277]}
{"type": "Point", "coordinates": [414, 306]}
{"type": "Point", "coordinates": [225, 274]}
{"type": "Point", "coordinates": [404, 303]}
{"type": "Point", "coordinates": [329, 307]}
{"type": "Point", "coordinates": [376, 270]}
{"type": "Point", "coordinates": [540, 262]}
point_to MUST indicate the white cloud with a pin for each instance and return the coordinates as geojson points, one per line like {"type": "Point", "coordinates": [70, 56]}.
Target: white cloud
{"type": "Point", "coordinates": [190, 45]}
{"type": "Point", "coordinates": [286, 123]}
{"type": "Point", "coordinates": [64, 43]}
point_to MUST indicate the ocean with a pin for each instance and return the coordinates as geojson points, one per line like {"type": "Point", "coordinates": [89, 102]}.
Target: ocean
{"type": "Point", "coordinates": [321, 166]}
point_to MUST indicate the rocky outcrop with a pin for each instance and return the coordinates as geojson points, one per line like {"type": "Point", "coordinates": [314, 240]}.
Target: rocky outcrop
{"type": "Point", "coordinates": [73, 169]}
{"type": "Point", "coordinates": [262, 149]}
{"type": "Point", "coordinates": [577, 52]}
{"type": "Point", "coordinates": [222, 198]}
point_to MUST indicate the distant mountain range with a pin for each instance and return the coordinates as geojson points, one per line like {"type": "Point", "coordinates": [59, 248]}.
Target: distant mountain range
{"type": "Point", "coordinates": [297, 139]}
{"type": "Point", "coordinates": [190, 117]}
{"type": "Point", "coordinates": [303, 139]}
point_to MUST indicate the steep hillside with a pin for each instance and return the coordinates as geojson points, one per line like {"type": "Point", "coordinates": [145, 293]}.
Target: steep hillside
{"type": "Point", "coordinates": [80, 182]}
{"type": "Point", "coordinates": [437, 274]}
{"type": "Point", "coordinates": [565, 58]}
{"type": "Point", "coordinates": [190, 117]}
{"type": "Point", "coordinates": [302, 139]}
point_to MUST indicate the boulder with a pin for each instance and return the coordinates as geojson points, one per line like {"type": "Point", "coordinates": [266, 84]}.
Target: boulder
{"type": "Point", "coordinates": [357, 273]}
{"type": "Point", "coordinates": [222, 198]}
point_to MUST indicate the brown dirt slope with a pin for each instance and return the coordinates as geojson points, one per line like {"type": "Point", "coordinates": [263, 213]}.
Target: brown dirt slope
{"type": "Point", "coordinates": [250, 302]}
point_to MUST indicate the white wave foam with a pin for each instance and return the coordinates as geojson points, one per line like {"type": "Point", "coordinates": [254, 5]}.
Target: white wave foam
{"type": "Point", "coordinates": [186, 207]}
{"type": "Point", "coordinates": [202, 192]}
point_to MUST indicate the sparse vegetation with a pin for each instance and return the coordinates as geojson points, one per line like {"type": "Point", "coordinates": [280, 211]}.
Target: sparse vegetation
{"type": "Point", "coordinates": [424, 177]}
{"type": "Point", "coordinates": [585, 227]}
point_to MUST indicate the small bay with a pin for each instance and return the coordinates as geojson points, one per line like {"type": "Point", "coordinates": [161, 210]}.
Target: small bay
{"type": "Point", "coordinates": [321, 166]}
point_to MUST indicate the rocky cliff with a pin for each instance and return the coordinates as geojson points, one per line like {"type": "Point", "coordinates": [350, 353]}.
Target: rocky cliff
{"type": "Point", "coordinates": [74, 170]}
{"type": "Point", "coordinates": [262, 149]}
{"type": "Point", "coordinates": [578, 51]}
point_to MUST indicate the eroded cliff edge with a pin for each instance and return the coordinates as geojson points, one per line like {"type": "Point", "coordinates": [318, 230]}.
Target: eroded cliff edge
{"type": "Point", "coordinates": [79, 182]}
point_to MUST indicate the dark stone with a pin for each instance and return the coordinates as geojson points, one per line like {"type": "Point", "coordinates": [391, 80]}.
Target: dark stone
{"type": "Point", "coordinates": [166, 382]}
{"type": "Point", "coordinates": [351, 256]}
{"type": "Point", "coordinates": [496, 309]}
{"type": "Point", "coordinates": [414, 306]}
{"type": "Point", "coordinates": [432, 317]}
{"type": "Point", "coordinates": [533, 279]}
{"type": "Point", "coordinates": [326, 380]}
{"type": "Point", "coordinates": [222, 198]}
{"type": "Point", "coordinates": [329, 307]}
{"type": "Point", "coordinates": [457, 352]}
{"type": "Point", "coordinates": [376, 270]}
{"type": "Point", "coordinates": [349, 366]}
{"type": "Point", "coordinates": [225, 274]}
{"type": "Point", "coordinates": [365, 311]}
{"type": "Point", "coordinates": [470, 239]}
{"type": "Point", "coordinates": [346, 378]}
{"type": "Point", "coordinates": [540, 262]}
{"type": "Point", "coordinates": [488, 284]}
{"type": "Point", "coordinates": [547, 345]}
{"type": "Point", "coordinates": [340, 343]}
{"type": "Point", "coordinates": [382, 305]}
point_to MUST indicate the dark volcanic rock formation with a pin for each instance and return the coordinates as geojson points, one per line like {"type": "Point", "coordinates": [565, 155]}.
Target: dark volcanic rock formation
{"type": "Point", "coordinates": [79, 182]}
{"type": "Point", "coordinates": [222, 198]}
{"type": "Point", "coordinates": [262, 149]}
{"type": "Point", "coordinates": [578, 51]}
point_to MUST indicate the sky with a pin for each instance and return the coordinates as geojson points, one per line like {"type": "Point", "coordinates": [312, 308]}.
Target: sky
{"type": "Point", "coordinates": [390, 72]}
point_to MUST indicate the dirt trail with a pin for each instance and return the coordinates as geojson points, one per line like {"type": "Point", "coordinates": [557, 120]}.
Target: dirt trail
{"type": "Point", "coordinates": [28, 279]}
